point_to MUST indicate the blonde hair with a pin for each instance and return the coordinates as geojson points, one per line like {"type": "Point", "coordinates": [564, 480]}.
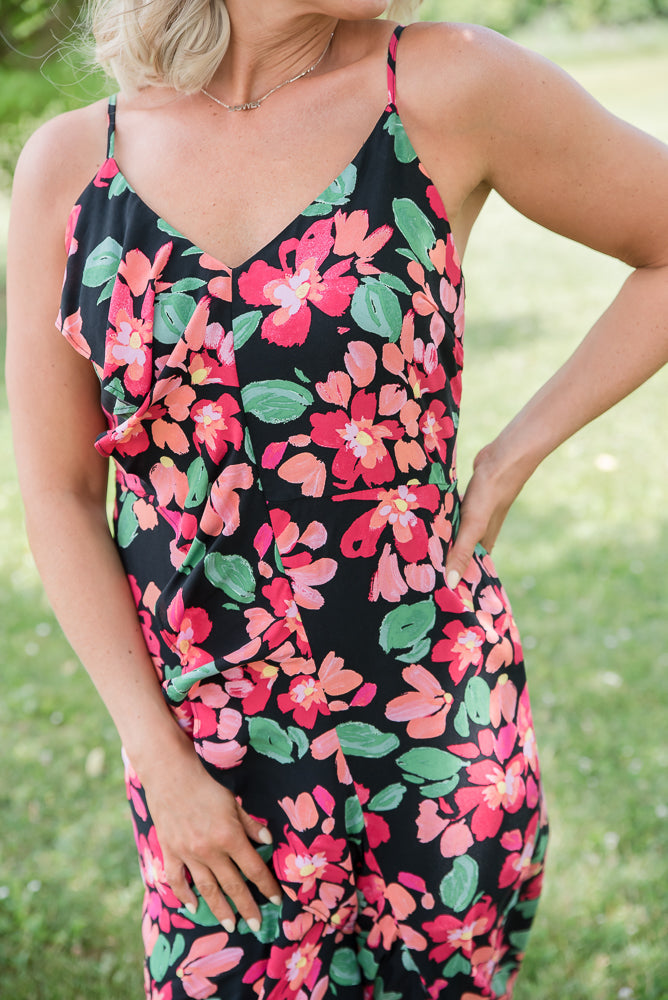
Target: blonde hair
{"type": "Point", "coordinates": [173, 43]}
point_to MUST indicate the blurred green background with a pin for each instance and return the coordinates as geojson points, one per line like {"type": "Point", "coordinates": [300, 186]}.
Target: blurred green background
{"type": "Point", "coordinates": [583, 556]}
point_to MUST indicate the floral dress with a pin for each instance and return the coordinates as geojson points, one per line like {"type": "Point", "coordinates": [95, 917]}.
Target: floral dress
{"type": "Point", "coordinates": [283, 435]}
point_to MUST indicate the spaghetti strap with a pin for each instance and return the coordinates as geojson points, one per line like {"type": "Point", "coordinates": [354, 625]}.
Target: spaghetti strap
{"type": "Point", "coordinates": [392, 66]}
{"type": "Point", "coordinates": [111, 126]}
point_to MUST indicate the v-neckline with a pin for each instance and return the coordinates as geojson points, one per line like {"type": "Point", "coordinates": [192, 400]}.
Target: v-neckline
{"type": "Point", "coordinates": [278, 237]}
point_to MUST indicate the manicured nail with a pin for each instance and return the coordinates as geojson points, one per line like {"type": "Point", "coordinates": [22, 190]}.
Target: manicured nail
{"type": "Point", "coordinates": [265, 836]}
{"type": "Point", "coordinates": [228, 924]}
{"type": "Point", "coordinates": [191, 907]}
{"type": "Point", "coordinates": [254, 924]}
{"type": "Point", "coordinates": [452, 579]}
{"type": "Point", "coordinates": [276, 900]}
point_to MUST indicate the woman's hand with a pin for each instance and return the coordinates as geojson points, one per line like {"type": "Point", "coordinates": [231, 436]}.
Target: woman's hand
{"type": "Point", "coordinates": [488, 498]}
{"type": "Point", "coordinates": [203, 830]}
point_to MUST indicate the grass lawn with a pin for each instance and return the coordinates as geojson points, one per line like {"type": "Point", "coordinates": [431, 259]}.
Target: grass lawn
{"type": "Point", "coordinates": [583, 557]}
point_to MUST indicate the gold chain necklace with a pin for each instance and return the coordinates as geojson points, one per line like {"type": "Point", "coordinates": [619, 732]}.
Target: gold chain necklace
{"type": "Point", "coordinates": [251, 105]}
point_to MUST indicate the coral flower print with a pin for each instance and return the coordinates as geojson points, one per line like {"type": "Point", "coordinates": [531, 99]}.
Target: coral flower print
{"type": "Point", "coordinates": [282, 436]}
{"type": "Point", "coordinates": [294, 290]}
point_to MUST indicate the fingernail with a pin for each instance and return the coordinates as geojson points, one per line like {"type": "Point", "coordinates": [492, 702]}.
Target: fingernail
{"type": "Point", "coordinates": [229, 925]}
{"type": "Point", "coordinates": [452, 579]}
{"type": "Point", "coordinates": [254, 924]}
{"type": "Point", "coordinates": [265, 836]}
{"type": "Point", "coordinates": [191, 907]}
{"type": "Point", "coordinates": [276, 900]}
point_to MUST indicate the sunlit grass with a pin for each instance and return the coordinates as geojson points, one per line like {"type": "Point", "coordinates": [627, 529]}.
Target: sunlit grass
{"type": "Point", "coordinates": [583, 557]}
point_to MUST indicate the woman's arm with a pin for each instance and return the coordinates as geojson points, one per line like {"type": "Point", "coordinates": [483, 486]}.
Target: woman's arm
{"type": "Point", "coordinates": [54, 399]}
{"type": "Point", "coordinates": [514, 122]}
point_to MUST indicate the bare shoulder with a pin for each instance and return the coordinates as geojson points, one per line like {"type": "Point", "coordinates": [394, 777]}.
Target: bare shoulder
{"type": "Point", "coordinates": [462, 73]}
{"type": "Point", "coordinates": [60, 158]}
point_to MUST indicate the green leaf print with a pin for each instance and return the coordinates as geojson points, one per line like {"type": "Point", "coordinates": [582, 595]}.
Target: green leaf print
{"type": "Point", "coordinates": [268, 739]}
{"type": "Point", "coordinates": [127, 524]}
{"type": "Point", "coordinates": [118, 186]}
{"type": "Point", "coordinates": [196, 553]}
{"type": "Point", "coordinates": [462, 727]}
{"type": "Point", "coordinates": [102, 267]}
{"type": "Point", "coordinates": [269, 928]}
{"type": "Point", "coordinates": [417, 229]}
{"type": "Point", "coordinates": [438, 788]}
{"type": "Point", "coordinates": [376, 309]}
{"type": "Point", "coordinates": [232, 574]}
{"type": "Point", "coordinates": [173, 312]}
{"type": "Point", "coordinates": [407, 626]}
{"type": "Point", "coordinates": [394, 281]}
{"type": "Point", "coordinates": [338, 193]}
{"type": "Point", "coordinates": [203, 915]}
{"type": "Point", "coordinates": [162, 956]}
{"type": "Point", "coordinates": [460, 885]}
{"type": "Point", "coordinates": [387, 798]}
{"type": "Point", "coordinates": [430, 763]}
{"type": "Point", "coordinates": [275, 400]}
{"type": "Point", "coordinates": [300, 739]}
{"type": "Point", "coordinates": [455, 965]}
{"type": "Point", "coordinates": [187, 284]}
{"type": "Point", "coordinates": [360, 739]}
{"type": "Point", "coordinates": [179, 686]}
{"type": "Point", "coordinates": [403, 150]}
{"type": "Point", "coordinates": [198, 483]}
{"type": "Point", "coordinates": [344, 968]}
{"type": "Point", "coordinates": [354, 816]}
{"type": "Point", "coordinates": [244, 326]}
{"type": "Point", "coordinates": [476, 699]}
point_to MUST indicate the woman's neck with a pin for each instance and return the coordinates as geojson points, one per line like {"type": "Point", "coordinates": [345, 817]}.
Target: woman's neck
{"type": "Point", "coordinates": [267, 47]}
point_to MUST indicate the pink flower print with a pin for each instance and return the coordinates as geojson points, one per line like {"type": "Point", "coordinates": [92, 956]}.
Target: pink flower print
{"type": "Point", "coordinates": [494, 791]}
{"type": "Point", "coordinates": [297, 967]}
{"type": "Point", "coordinates": [486, 961]}
{"type": "Point", "coordinates": [305, 572]}
{"type": "Point", "coordinates": [128, 346]}
{"type": "Point", "coordinates": [360, 361]}
{"type": "Point", "coordinates": [294, 290]}
{"type": "Point", "coordinates": [459, 935]}
{"type": "Point", "coordinates": [437, 428]}
{"type": "Point", "coordinates": [462, 648]}
{"type": "Point", "coordinates": [359, 441]}
{"type": "Point", "coordinates": [169, 483]}
{"type": "Point", "coordinates": [106, 173]}
{"type": "Point", "coordinates": [153, 868]}
{"type": "Point", "coordinates": [337, 681]}
{"type": "Point", "coordinates": [71, 243]}
{"type": "Point", "coordinates": [414, 362]}
{"type": "Point", "coordinates": [518, 866]}
{"type": "Point", "coordinates": [288, 621]}
{"type": "Point", "coordinates": [71, 328]}
{"type": "Point", "coordinates": [137, 270]}
{"type": "Point", "coordinates": [221, 514]}
{"type": "Point", "coordinates": [425, 709]}
{"type": "Point", "coordinates": [302, 811]}
{"type": "Point", "coordinates": [207, 958]}
{"type": "Point", "coordinates": [305, 699]}
{"type": "Point", "coordinates": [304, 866]}
{"type": "Point", "coordinates": [216, 425]}
{"type": "Point", "coordinates": [396, 509]}
{"type": "Point", "coordinates": [190, 626]}
{"type": "Point", "coordinates": [352, 239]}
{"type": "Point", "coordinates": [502, 701]}
{"type": "Point", "coordinates": [456, 837]}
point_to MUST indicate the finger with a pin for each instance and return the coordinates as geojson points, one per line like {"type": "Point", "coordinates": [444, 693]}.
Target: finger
{"type": "Point", "coordinates": [232, 884]}
{"type": "Point", "coordinates": [460, 555]}
{"type": "Point", "coordinates": [255, 870]}
{"type": "Point", "coordinates": [175, 875]}
{"type": "Point", "coordinates": [256, 830]}
{"type": "Point", "coordinates": [212, 893]}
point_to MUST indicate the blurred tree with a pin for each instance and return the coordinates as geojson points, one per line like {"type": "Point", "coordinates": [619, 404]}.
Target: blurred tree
{"type": "Point", "coordinates": [33, 27]}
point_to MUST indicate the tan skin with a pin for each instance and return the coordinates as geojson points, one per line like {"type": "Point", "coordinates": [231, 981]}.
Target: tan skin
{"type": "Point", "coordinates": [481, 113]}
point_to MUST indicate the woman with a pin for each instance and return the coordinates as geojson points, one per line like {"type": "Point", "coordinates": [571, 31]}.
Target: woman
{"type": "Point", "coordinates": [297, 627]}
